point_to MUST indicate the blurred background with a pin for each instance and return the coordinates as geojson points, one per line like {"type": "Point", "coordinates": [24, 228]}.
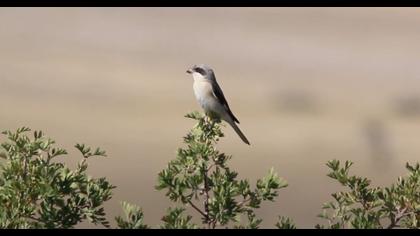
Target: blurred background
{"type": "Point", "coordinates": [307, 84]}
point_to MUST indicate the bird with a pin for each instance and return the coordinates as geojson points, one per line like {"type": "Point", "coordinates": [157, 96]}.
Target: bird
{"type": "Point", "coordinates": [210, 97]}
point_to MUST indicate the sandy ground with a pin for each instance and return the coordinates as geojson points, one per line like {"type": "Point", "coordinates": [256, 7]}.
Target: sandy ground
{"type": "Point", "coordinates": [307, 84]}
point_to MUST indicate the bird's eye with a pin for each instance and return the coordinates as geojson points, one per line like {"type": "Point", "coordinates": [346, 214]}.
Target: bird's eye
{"type": "Point", "coordinates": [200, 70]}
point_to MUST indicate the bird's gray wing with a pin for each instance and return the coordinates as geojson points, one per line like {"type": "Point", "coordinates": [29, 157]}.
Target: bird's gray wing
{"type": "Point", "coordinates": [218, 93]}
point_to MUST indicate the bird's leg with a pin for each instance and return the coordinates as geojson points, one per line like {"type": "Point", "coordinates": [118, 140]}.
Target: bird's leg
{"type": "Point", "coordinates": [210, 120]}
{"type": "Point", "coordinates": [210, 117]}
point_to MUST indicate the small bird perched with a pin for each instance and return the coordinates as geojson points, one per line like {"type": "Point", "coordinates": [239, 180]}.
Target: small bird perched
{"type": "Point", "coordinates": [210, 97]}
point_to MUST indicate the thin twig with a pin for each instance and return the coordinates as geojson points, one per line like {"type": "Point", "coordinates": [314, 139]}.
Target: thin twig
{"type": "Point", "coordinates": [397, 218]}
{"type": "Point", "coordinates": [206, 184]}
{"type": "Point", "coordinates": [214, 223]}
{"type": "Point", "coordinates": [240, 204]}
{"type": "Point", "coordinates": [33, 218]}
{"type": "Point", "coordinates": [206, 194]}
{"type": "Point", "coordinates": [197, 209]}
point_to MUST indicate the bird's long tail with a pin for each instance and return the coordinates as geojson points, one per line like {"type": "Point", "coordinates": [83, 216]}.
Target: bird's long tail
{"type": "Point", "coordinates": [239, 132]}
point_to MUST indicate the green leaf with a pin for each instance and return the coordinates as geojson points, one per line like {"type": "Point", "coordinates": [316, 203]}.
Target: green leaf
{"type": "Point", "coordinates": [133, 217]}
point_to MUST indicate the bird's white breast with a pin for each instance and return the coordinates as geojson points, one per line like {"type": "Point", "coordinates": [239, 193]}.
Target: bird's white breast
{"type": "Point", "coordinates": [203, 92]}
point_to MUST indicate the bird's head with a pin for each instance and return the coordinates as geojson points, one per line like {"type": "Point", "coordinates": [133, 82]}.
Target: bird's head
{"type": "Point", "coordinates": [201, 71]}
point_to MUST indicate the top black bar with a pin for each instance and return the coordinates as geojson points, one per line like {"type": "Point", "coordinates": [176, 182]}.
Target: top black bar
{"type": "Point", "coordinates": [210, 3]}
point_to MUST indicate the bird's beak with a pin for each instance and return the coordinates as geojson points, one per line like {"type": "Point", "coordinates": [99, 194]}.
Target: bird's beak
{"type": "Point", "coordinates": [189, 71]}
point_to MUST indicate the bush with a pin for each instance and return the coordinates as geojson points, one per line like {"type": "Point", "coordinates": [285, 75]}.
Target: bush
{"type": "Point", "coordinates": [373, 208]}
{"type": "Point", "coordinates": [37, 191]}
{"type": "Point", "coordinates": [200, 175]}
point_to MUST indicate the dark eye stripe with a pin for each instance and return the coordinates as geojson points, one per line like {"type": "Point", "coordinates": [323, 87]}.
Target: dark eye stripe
{"type": "Point", "coordinates": [200, 70]}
